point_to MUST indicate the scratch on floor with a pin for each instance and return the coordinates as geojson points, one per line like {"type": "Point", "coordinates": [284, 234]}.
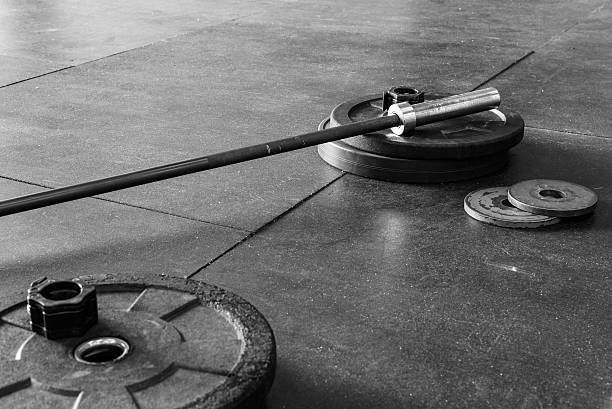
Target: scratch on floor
{"type": "Point", "coordinates": [511, 268]}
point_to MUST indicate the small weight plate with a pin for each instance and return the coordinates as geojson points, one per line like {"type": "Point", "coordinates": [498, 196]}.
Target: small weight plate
{"type": "Point", "coordinates": [160, 342]}
{"type": "Point", "coordinates": [552, 197]}
{"type": "Point", "coordinates": [491, 206]}
{"type": "Point", "coordinates": [481, 134]}
{"type": "Point", "coordinates": [367, 164]}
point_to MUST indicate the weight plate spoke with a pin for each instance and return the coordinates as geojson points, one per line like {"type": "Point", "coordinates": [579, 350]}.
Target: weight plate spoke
{"type": "Point", "coordinates": [215, 355]}
{"type": "Point", "coordinates": [18, 317]}
{"type": "Point", "coordinates": [117, 300]}
{"type": "Point", "coordinates": [180, 389]}
{"type": "Point", "coordinates": [147, 352]}
{"type": "Point", "coordinates": [15, 377]}
{"type": "Point", "coordinates": [41, 397]}
{"type": "Point", "coordinates": [12, 340]}
{"type": "Point", "coordinates": [120, 398]}
{"type": "Point", "coordinates": [163, 303]}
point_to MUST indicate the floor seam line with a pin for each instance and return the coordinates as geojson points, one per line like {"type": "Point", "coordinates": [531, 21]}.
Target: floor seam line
{"type": "Point", "coordinates": [26, 182]}
{"type": "Point", "coordinates": [516, 62]}
{"type": "Point", "coordinates": [567, 132]}
{"type": "Point", "coordinates": [265, 226]}
{"type": "Point", "coordinates": [37, 76]}
{"type": "Point", "coordinates": [570, 27]}
{"type": "Point", "coordinates": [162, 40]}
{"type": "Point", "coordinates": [557, 36]}
{"type": "Point", "coordinates": [232, 20]}
{"type": "Point", "coordinates": [194, 219]}
{"type": "Point", "coordinates": [530, 53]}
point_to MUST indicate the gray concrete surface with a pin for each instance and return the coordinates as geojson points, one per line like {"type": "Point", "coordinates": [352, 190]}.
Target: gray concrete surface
{"type": "Point", "coordinates": [95, 236]}
{"type": "Point", "coordinates": [403, 300]}
{"type": "Point", "coordinates": [565, 84]}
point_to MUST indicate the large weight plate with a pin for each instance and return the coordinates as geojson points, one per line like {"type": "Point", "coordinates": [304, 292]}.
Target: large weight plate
{"type": "Point", "coordinates": [191, 345]}
{"type": "Point", "coordinates": [371, 165]}
{"type": "Point", "coordinates": [491, 206]}
{"type": "Point", "coordinates": [552, 197]}
{"type": "Point", "coordinates": [485, 133]}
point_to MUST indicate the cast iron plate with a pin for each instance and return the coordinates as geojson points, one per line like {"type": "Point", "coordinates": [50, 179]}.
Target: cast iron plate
{"type": "Point", "coordinates": [491, 206]}
{"type": "Point", "coordinates": [192, 345]}
{"type": "Point", "coordinates": [481, 134]}
{"type": "Point", "coordinates": [347, 158]}
{"type": "Point", "coordinates": [552, 197]}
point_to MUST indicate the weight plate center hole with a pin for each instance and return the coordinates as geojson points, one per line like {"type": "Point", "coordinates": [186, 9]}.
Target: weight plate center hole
{"type": "Point", "coordinates": [507, 203]}
{"type": "Point", "coordinates": [100, 351]}
{"type": "Point", "coordinates": [61, 290]}
{"type": "Point", "coordinates": [551, 194]}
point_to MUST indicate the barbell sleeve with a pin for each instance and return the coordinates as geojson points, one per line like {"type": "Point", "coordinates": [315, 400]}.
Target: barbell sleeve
{"type": "Point", "coordinates": [436, 110]}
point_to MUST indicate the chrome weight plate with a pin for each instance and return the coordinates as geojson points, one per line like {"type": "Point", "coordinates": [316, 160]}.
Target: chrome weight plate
{"type": "Point", "coordinates": [160, 342]}
{"type": "Point", "coordinates": [552, 197]}
{"type": "Point", "coordinates": [491, 206]}
{"type": "Point", "coordinates": [482, 134]}
{"type": "Point", "coordinates": [367, 164]}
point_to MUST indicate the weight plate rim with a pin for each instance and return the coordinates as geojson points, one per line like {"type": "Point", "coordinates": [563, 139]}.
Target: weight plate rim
{"type": "Point", "coordinates": [250, 381]}
{"type": "Point", "coordinates": [535, 221]}
{"type": "Point", "coordinates": [548, 208]}
{"type": "Point", "coordinates": [338, 155]}
{"type": "Point", "coordinates": [412, 150]}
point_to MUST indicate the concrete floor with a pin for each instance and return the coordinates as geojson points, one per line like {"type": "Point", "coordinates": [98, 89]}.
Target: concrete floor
{"type": "Point", "coordinates": [381, 295]}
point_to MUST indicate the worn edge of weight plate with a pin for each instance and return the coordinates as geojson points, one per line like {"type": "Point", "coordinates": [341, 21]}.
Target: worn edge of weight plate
{"type": "Point", "coordinates": [259, 352]}
{"type": "Point", "coordinates": [553, 212]}
{"type": "Point", "coordinates": [483, 218]}
{"type": "Point", "coordinates": [494, 164]}
{"type": "Point", "coordinates": [444, 151]}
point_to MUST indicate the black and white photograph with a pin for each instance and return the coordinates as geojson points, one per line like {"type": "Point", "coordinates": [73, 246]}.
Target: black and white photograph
{"type": "Point", "coordinates": [306, 204]}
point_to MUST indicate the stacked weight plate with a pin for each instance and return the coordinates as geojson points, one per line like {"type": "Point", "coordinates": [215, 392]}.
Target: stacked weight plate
{"type": "Point", "coordinates": [530, 203]}
{"type": "Point", "coordinates": [454, 149]}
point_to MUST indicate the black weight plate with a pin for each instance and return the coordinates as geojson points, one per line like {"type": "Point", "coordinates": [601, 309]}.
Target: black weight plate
{"type": "Point", "coordinates": [160, 342]}
{"type": "Point", "coordinates": [481, 134]}
{"type": "Point", "coordinates": [345, 157]}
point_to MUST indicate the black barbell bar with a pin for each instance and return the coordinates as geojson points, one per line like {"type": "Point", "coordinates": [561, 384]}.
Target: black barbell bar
{"type": "Point", "coordinates": [401, 117]}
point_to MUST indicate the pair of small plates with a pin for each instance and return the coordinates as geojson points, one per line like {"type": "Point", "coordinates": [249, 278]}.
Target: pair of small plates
{"type": "Point", "coordinates": [530, 204]}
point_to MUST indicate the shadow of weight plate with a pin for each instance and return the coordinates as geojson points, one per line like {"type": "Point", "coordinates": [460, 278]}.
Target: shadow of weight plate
{"type": "Point", "coordinates": [345, 157]}
{"type": "Point", "coordinates": [160, 342]}
{"type": "Point", "coordinates": [481, 134]}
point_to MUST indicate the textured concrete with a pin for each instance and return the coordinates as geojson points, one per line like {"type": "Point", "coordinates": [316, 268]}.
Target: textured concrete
{"type": "Point", "coordinates": [37, 38]}
{"type": "Point", "coordinates": [477, 25]}
{"type": "Point", "coordinates": [16, 69]}
{"type": "Point", "coordinates": [566, 84]}
{"type": "Point", "coordinates": [96, 237]}
{"type": "Point", "coordinates": [389, 295]}
{"type": "Point", "coordinates": [380, 295]}
{"type": "Point", "coordinates": [71, 32]}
